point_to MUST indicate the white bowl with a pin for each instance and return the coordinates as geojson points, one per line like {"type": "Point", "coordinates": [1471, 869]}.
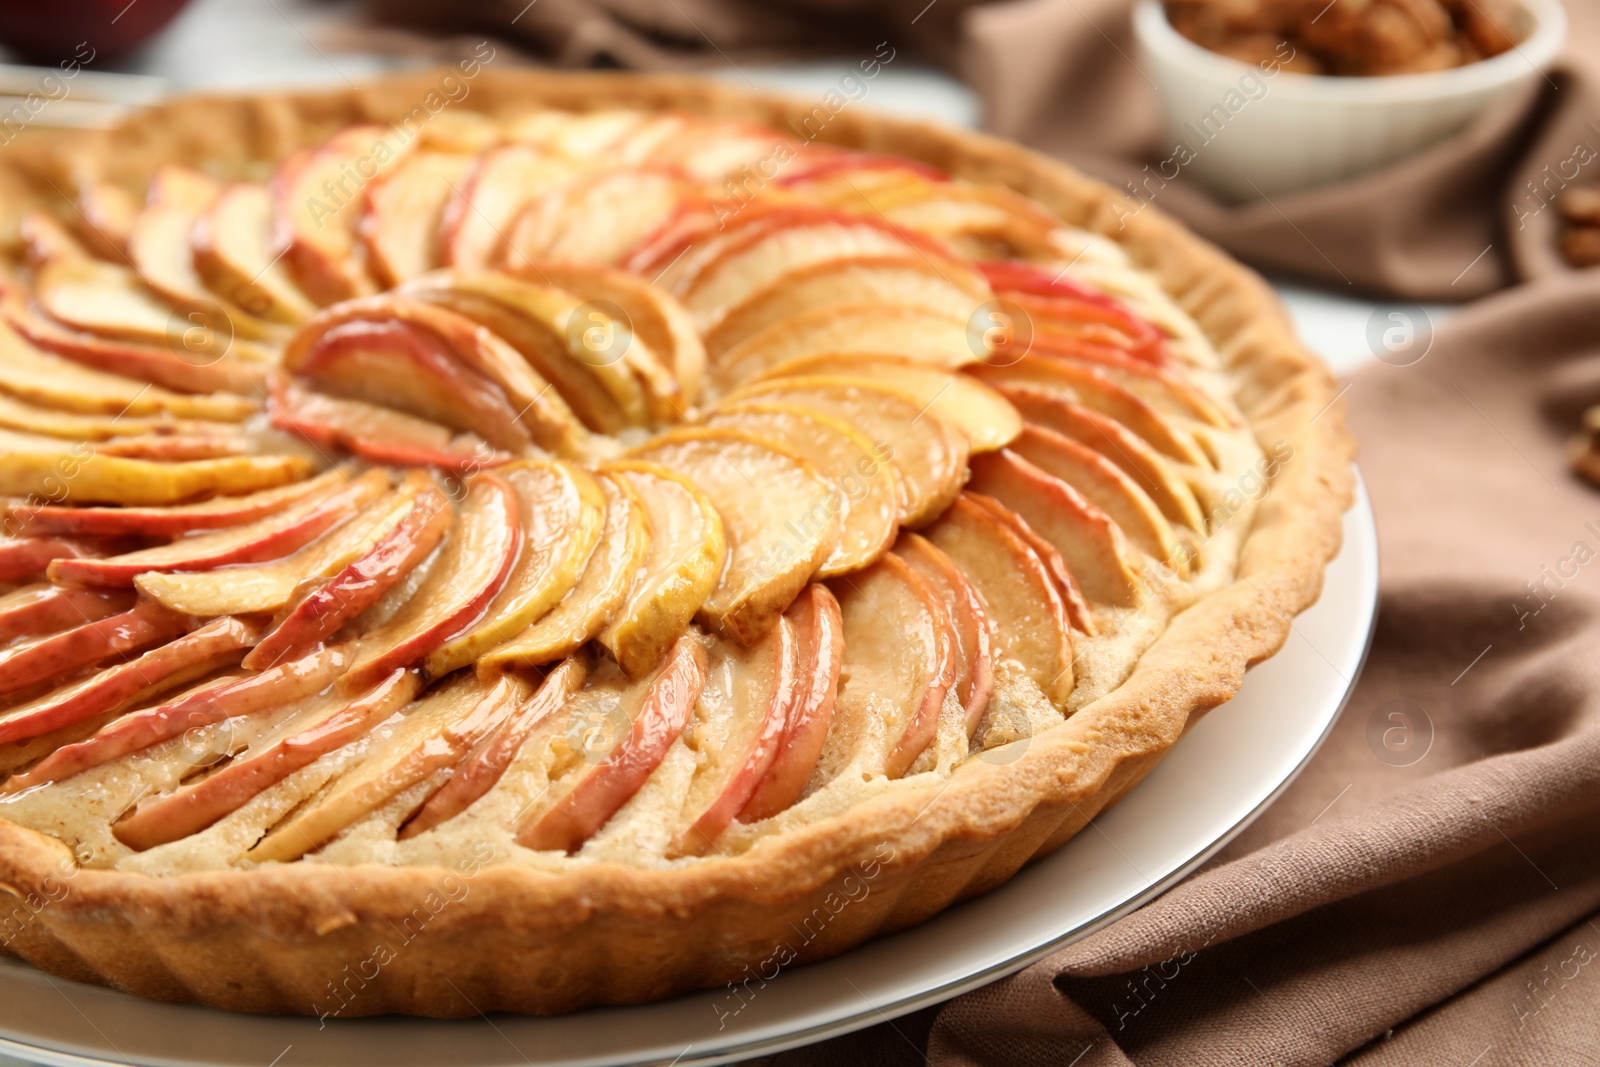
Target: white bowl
{"type": "Point", "coordinates": [1247, 132]}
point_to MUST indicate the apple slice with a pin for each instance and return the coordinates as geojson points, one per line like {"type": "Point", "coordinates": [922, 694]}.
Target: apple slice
{"type": "Point", "coordinates": [194, 806]}
{"type": "Point", "coordinates": [251, 694]}
{"type": "Point", "coordinates": [612, 568]}
{"type": "Point", "coordinates": [471, 569]}
{"type": "Point", "coordinates": [595, 218]}
{"type": "Point", "coordinates": [269, 538]}
{"type": "Point", "coordinates": [1162, 389]}
{"type": "Point", "coordinates": [502, 183]}
{"type": "Point", "coordinates": [1026, 612]}
{"type": "Point", "coordinates": [49, 381]}
{"type": "Point", "coordinates": [67, 477]}
{"type": "Point", "coordinates": [973, 646]}
{"type": "Point", "coordinates": [1107, 487]}
{"type": "Point", "coordinates": [593, 787]}
{"type": "Point", "coordinates": [487, 763]}
{"type": "Point", "coordinates": [23, 559]}
{"type": "Point", "coordinates": [1055, 565]}
{"type": "Point", "coordinates": [234, 255]}
{"type": "Point", "coordinates": [107, 212]}
{"type": "Point", "coordinates": [819, 635]}
{"type": "Point", "coordinates": [686, 554]}
{"type": "Point", "coordinates": [987, 418]}
{"type": "Point", "coordinates": [1089, 388]}
{"type": "Point", "coordinates": [744, 709]}
{"type": "Point", "coordinates": [424, 521]}
{"type": "Point", "coordinates": [655, 318]}
{"type": "Point", "coordinates": [899, 662]}
{"type": "Point", "coordinates": [170, 521]}
{"type": "Point", "coordinates": [42, 608]}
{"type": "Point", "coordinates": [1093, 547]}
{"type": "Point", "coordinates": [929, 457]}
{"type": "Point", "coordinates": [778, 516]}
{"type": "Point", "coordinates": [217, 644]}
{"type": "Point", "coordinates": [856, 329]}
{"type": "Point", "coordinates": [60, 655]}
{"type": "Point", "coordinates": [76, 426]}
{"type": "Point", "coordinates": [403, 212]}
{"type": "Point", "coordinates": [1149, 469]}
{"type": "Point", "coordinates": [563, 513]}
{"type": "Point", "coordinates": [437, 732]}
{"type": "Point", "coordinates": [101, 298]}
{"type": "Point", "coordinates": [1058, 299]}
{"type": "Point", "coordinates": [45, 240]}
{"type": "Point", "coordinates": [376, 434]}
{"type": "Point", "coordinates": [863, 479]}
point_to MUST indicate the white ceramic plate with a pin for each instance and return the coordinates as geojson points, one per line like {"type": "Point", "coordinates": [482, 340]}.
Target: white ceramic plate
{"type": "Point", "coordinates": [1230, 766]}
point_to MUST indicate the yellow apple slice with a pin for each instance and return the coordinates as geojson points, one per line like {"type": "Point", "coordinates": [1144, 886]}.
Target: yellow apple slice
{"type": "Point", "coordinates": [234, 255]}
{"type": "Point", "coordinates": [973, 646]}
{"type": "Point", "coordinates": [819, 633]}
{"type": "Point", "coordinates": [899, 662]}
{"type": "Point", "coordinates": [609, 574]}
{"type": "Point", "coordinates": [986, 417]}
{"type": "Point", "coordinates": [1093, 547]}
{"type": "Point", "coordinates": [1055, 565]}
{"type": "Point", "coordinates": [480, 214]}
{"type": "Point", "coordinates": [929, 457]}
{"type": "Point", "coordinates": [590, 779]}
{"type": "Point", "coordinates": [1025, 610]}
{"type": "Point", "coordinates": [778, 515]}
{"type": "Point", "coordinates": [25, 418]}
{"type": "Point", "coordinates": [856, 329]}
{"type": "Point", "coordinates": [563, 513]}
{"type": "Point", "coordinates": [105, 299]}
{"type": "Point", "coordinates": [740, 719]}
{"type": "Point", "coordinates": [68, 477]}
{"type": "Point", "coordinates": [436, 732]}
{"type": "Point", "coordinates": [403, 213]}
{"type": "Point", "coordinates": [862, 476]}
{"type": "Point", "coordinates": [687, 551]}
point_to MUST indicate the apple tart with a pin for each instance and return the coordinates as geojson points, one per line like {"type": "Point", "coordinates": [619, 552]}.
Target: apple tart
{"type": "Point", "coordinates": [609, 510]}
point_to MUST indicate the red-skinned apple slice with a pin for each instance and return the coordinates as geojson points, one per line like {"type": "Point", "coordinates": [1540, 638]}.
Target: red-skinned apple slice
{"type": "Point", "coordinates": [269, 538]}
{"type": "Point", "coordinates": [60, 655]}
{"type": "Point", "coordinates": [44, 609]}
{"type": "Point", "coordinates": [591, 792]}
{"type": "Point", "coordinates": [23, 559]}
{"type": "Point", "coordinates": [376, 434]}
{"type": "Point", "coordinates": [472, 568]}
{"type": "Point", "coordinates": [819, 634]}
{"type": "Point", "coordinates": [75, 426]}
{"type": "Point", "coordinates": [193, 807]}
{"type": "Point", "coordinates": [234, 255]}
{"type": "Point", "coordinates": [71, 477]}
{"type": "Point", "coordinates": [563, 511]}
{"type": "Point", "coordinates": [485, 764]}
{"type": "Point", "coordinates": [107, 212]}
{"type": "Point", "coordinates": [899, 662]}
{"type": "Point", "coordinates": [403, 211]}
{"type": "Point", "coordinates": [219, 643]}
{"type": "Point", "coordinates": [595, 218]}
{"type": "Point", "coordinates": [744, 708]}
{"type": "Point", "coordinates": [1158, 386]}
{"type": "Point", "coordinates": [1028, 618]}
{"type": "Point", "coordinates": [483, 209]}
{"type": "Point", "coordinates": [973, 647]}
{"type": "Point", "coordinates": [1026, 278]}
{"type": "Point", "coordinates": [360, 584]}
{"type": "Point", "coordinates": [1054, 564]}
{"type": "Point", "coordinates": [251, 694]}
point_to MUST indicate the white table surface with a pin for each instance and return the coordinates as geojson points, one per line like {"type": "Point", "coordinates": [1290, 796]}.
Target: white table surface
{"type": "Point", "coordinates": [250, 44]}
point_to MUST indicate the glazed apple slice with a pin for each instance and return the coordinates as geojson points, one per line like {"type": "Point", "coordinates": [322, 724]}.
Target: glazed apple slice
{"type": "Point", "coordinates": [194, 806]}
{"type": "Point", "coordinates": [973, 648]}
{"type": "Point", "coordinates": [101, 298]}
{"type": "Point", "coordinates": [42, 608]}
{"type": "Point", "coordinates": [483, 209]}
{"type": "Point", "coordinates": [1163, 390]}
{"type": "Point", "coordinates": [68, 477]}
{"type": "Point", "coordinates": [424, 521]}
{"type": "Point", "coordinates": [437, 732]}
{"type": "Point", "coordinates": [595, 218]}
{"type": "Point", "coordinates": [1107, 487]}
{"type": "Point", "coordinates": [45, 240]}
{"type": "Point", "coordinates": [23, 559]}
{"type": "Point", "coordinates": [930, 458]}
{"type": "Point", "coordinates": [77, 426]}
{"type": "Point", "coordinates": [1057, 298]}
{"type": "Point", "coordinates": [250, 694]}
{"type": "Point", "coordinates": [60, 655]}
{"type": "Point", "coordinates": [1025, 610]}
{"type": "Point", "coordinates": [1092, 545]}
{"type": "Point", "coordinates": [471, 570]}
{"type": "Point", "coordinates": [686, 553]}
{"type": "Point", "coordinates": [401, 223]}
{"type": "Point", "coordinates": [610, 572]}
{"type": "Point", "coordinates": [595, 785]}
{"type": "Point", "coordinates": [986, 418]}
{"type": "Point", "coordinates": [778, 515]}
{"type": "Point", "coordinates": [1055, 564]}
{"type": "Point", "coordinates": [217, 644]}
{"type": "Point", "coordinates": [863, 479]}
{"type": "Point", "coordinates": [899, 662]}
{"type": "Point", "coordinates": [170, 521]}
{"type": "Point", "coordinates": [563, 513]}
{"type": "Point", "coordinates": [819, 636]}
{"type": "Point", "coordinates": [376, 434]}
{"type": "Point", "coordinates": [745, 706]}
{"type": "Point", "coordinates": [269, 538]}
{"type": "Point", "coordinates": [53, 382]}
{"type": "Point", "coordinates": [234, 255]}
{"type": "Point", "coordinates": [107, 211]}
{"type": "Point", "coordinates": [487, 762]}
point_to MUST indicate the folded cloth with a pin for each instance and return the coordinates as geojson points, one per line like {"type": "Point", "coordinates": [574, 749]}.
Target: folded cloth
{"type": "Point", "coordinates": [1465, 217]}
